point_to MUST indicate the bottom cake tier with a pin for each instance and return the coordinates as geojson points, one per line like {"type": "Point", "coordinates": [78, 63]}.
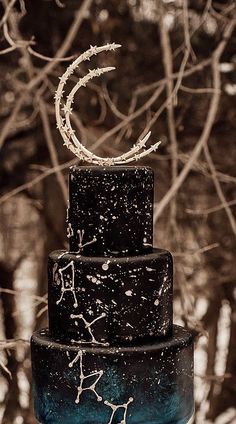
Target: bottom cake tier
{"type": "Point", "coordinates": [78, 384]}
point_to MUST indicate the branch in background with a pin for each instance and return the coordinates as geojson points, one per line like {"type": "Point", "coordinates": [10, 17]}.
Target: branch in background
{"type": "Point", "coordinates": [208, 124]}
{"type": "Point", "coordinates": [129, 118]}
{"type": "Point", "coordinates": [168, 68]}
{"type": "Point", "coordinates": [49, 59]}
{"type": "Point", "coordinates": [198, 251]}
{"type": "Point", "coordinates": [34, 82]}
{"type": "Point", "coordinates": [37, 180]}
{"type": "Point", "coordinates": [8, 9]}
{"type": "Point", "coordinates": [51, 148]}
{"type": "Point", "coordinates": [219, 190]}
{"type": "Point", "coordinates": [187, 48]}
{"type": "Point", "coordinates": [210, 210]}
{"type": "Point", "coordinates": [8, 345]}
{"type": "Point", "coordinates": [40, 299]}
{"type": "Point", "coordinates": [196, 68]}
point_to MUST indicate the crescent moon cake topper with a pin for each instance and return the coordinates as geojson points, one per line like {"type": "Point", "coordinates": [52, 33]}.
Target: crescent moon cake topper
{"type": "Point", "coordinates": [64, 110]}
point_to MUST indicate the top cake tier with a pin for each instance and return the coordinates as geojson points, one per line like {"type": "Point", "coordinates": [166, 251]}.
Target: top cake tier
{"type": "Point", "coordinates": [110, 210]}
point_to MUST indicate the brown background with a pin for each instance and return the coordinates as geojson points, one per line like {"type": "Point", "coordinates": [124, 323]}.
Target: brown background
{"type": "Point", "coordinates": [176, 76]}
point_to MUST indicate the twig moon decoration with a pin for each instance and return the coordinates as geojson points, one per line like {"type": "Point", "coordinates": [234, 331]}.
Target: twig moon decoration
{"type": "Point", "coordinates": [64, 110]}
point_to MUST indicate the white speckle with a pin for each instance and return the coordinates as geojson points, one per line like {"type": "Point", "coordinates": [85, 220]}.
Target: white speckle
{"type": "Point", "coordinates": [156, 302]}
{"type": "Point", "coordinates": [129, 293]}
{"type": "Point", "coordinates": [93, 279]}
{"type": "Point", "coordinates": [145, 240]}
{"type": "Point", "coordinates": [150, 269]}
{"type": "Point", "coordinates": [105, 266]}
{"type": "Point", "coordinates": [129, 325]}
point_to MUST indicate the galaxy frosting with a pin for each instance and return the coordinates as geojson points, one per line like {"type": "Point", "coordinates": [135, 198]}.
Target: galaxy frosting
{"type": "Point", "coordinates": [111, 354]}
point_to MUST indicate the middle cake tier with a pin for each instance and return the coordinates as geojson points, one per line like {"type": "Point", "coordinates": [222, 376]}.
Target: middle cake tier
{"type": "Point", "coordinates": [110, 300]}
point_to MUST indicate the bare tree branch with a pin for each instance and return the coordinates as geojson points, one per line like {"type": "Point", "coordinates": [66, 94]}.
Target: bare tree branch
{"type": "Point", "coordinates": [208, 124]}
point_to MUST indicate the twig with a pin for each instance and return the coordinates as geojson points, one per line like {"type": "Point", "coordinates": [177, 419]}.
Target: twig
{"type": "Point", "coordinates": [202, 20]}
{"type": "Point", "coordinates": [7, 11]}
{"type": "Point", "coordinates": [210, 210]}
{"type": "Point", "coordinates": [187, 49]}
{"type": "Point", "coordinates": [40, 299]}
{"type": "Point", "coordinates": [129, 118]}
{"type": "Point", "coordinates": [208, 124]}
{"type": "Point", "coordinates": [199, 67]}
{"type": "Point", "coordinates": [8, 50]}
{"type": "Point", "coordinates": [49, 59]}
{"type": "Point", "coordinates": [51, 148]}
{"type": "Point", "coordinates": [200, 166]}
{"type": "Point", "coordinates": [219, 190]}
{"type": "Point", "coordinates": [198, 251]}
{"type": "Point", "coordinates": [196, 90]}
{"type": "Point", "coordinates": [79, 16]}
{"type": "Point", "coordinates": [5, 369]}
{"type": "Point", "coordinates": [36, 180]}
{"type": "Point", "coordinates": [213, 377]}
{"type": "Point", "coordinates": [42, 311]}
{"type": "Point", "coordinates": [112, 105]}
{"type": "Point", "coordinates": [12, 118]}
{"type": "Point", "coordinates": [168, 68]}
{"type": "Point", "coordinates": [43, 113]}
{"type": "Point", "coordinates": [12, 343]}
{"type": "Point", "coordinates": [60, 4]}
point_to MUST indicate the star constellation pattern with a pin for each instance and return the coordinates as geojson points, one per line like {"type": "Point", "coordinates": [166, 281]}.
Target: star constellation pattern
{"type": "Point", "coordinates": [88, 326]}
{"type": "Point", "coordinates": [69, 285]}
{"type": "Point", "coordinates": [116, 407]}
{"type": "Point", "coordinates": [83, 377]}
{"type": "Point", "coordinates": [92, 387]}
{"type": "Point", "coordinates": [81, 237]}
{"type": "Point", "coordinates": [55, 278]}
{"type": "Point", "coordinates": [70, 231]}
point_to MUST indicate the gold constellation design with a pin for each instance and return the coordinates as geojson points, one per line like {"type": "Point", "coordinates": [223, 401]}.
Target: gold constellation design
{"type": "Point", "coordinates": [83, 377]}
{"type": "Point", "coordinates": [71, 286]}
{"type": "Point", "coordinates": [92, 387]}
{"type": "Point", "coordinates": [70, 233]}
{"type": "Point", "coordinates": [116, 407]}
{"type": "Point", "coordinates": [88, 326]}
{"type": "Point", "coordinates": [81, 237]}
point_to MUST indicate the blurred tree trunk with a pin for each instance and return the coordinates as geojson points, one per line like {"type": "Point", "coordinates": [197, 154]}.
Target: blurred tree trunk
{"type": "Point", "coordinates": [10, 326]}
{"type": "Point", "coordinates": [52, 213]}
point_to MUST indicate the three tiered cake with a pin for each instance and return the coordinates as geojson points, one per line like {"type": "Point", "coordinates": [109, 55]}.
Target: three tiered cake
{"type": "Point", "coordinates": [111, 354]}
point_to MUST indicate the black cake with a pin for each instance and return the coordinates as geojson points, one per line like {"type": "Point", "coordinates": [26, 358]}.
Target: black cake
{"type": "Point", "coordinates": [111, 354]}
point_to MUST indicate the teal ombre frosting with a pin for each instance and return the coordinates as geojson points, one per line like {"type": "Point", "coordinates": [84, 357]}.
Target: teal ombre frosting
{"type": "Point", "coordinates": [52, 409]}
{"type": "Point", "coordinates": [150, 385]}
{"type": "Point", "coordinates": [86, 413]}
{"type": "Point", "coordinates": [114, 391]}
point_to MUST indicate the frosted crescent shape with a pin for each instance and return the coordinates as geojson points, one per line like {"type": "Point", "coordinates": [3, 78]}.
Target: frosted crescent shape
{"type": "Point", "coordinates": [64, 110]}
